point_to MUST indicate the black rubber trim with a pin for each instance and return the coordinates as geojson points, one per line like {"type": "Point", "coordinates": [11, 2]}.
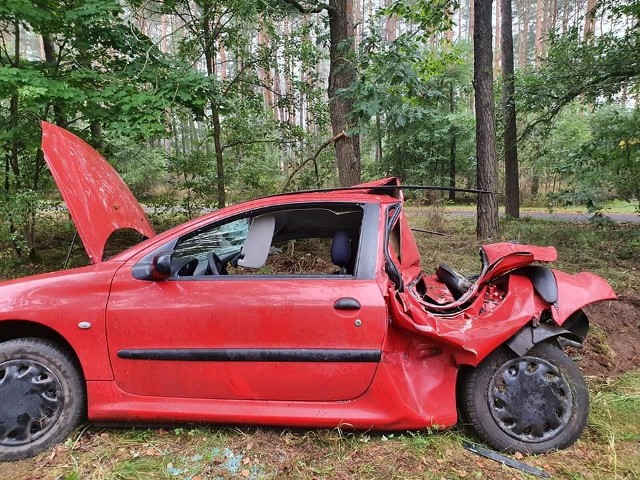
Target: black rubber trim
{"type": "Point", "coordinates": [252, 355]}
{"type": "Point", "coordinates": [528, 336]}
{"type": "Point", "coordinates": [543, 280]}
{"type": "Point", "coordinates": [391, 268]}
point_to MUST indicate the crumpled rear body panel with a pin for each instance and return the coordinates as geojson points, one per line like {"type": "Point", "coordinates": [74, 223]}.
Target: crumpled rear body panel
{"type": "Point", "coordinates": [499, 303]}
{"type": "Point", "coordinates": [577, 291]}
{"type": "Point", "coordinates": [478, 329]}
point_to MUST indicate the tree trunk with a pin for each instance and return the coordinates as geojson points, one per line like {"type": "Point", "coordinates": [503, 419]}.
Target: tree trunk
{"type": "Point", "coordinates": [471, 19]}
{"type": "Point", "coordinates": [590, 19]}
{"type": "Point", "coordinates": [342, 74]}
{"type": "Point", "coordinates": [96, 135]}
{"type": "Point", "coordinates": [497, 49]}
{"type": "Point", "coordinates": [210, 55]}
{"type": "Point", "coordinates": [51, 58]}
{"type": "Point", "coordinates": [452, 146]}
{"type": "Point", "coordinates": [217, 145]}
{"type": "Point", "coordinates": [163, 41]}
{"type": "Point", "coordinates": [523, 45]}
{"type": "Point", "coordinates": [547, 25]}
{"type": "Point", "coordinates": [378, 152]}
{"type": "Point", "coordinates": [512, 186]}
{"type": "Point", "coordinates": [553, 17]}
{"type": "Point", "coordinates": [487, 171]}
{"type": "Point", "coordinates": [222, 53]}
{"type": "Point", "coordinates": [13, 159]}
{"type": "Point", "coordinates": [535, 183]}
{"type": "Point", "coordinates": [264, 75]}
{"type": "Point", "coordinates": [391, 25]}
{"type": "Point", "coordinates": [472, 101]}
{"type": "Point", "coordinates": [540, 12]}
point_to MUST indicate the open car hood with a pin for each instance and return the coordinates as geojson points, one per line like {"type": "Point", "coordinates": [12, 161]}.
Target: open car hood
{"type": "Point", "coordinates": [98, 200]}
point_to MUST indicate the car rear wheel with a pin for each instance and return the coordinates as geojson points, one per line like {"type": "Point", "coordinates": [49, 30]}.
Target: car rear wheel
{"type": "Point", "coordinates": [42, 396]}
{"type": "Point", "coordinates": [531, 404]}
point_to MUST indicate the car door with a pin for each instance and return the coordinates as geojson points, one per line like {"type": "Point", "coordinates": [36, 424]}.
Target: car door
{"type": "Point", "coordinates": [313, 337]}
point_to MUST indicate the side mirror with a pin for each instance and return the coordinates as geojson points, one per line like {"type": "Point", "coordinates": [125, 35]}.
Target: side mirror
{"type": "Point", "coordinates": [160, 268]}
{"type": "Point", "coordinates": [156, 268]}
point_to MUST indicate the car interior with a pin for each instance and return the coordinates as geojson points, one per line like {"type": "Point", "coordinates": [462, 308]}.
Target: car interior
{"type": "Point", "coordinates": [316, 240]}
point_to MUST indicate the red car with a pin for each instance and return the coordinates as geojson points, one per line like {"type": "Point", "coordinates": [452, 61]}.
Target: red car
{"type": "Point", "coordinates": [201, 324]}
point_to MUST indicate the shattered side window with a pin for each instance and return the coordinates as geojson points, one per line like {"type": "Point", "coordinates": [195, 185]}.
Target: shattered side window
{"type": "Point", "coordinates": [223, 239]}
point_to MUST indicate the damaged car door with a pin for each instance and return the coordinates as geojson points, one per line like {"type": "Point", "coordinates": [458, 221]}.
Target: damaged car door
{"type": "Point", "coordinates": [224, 325]}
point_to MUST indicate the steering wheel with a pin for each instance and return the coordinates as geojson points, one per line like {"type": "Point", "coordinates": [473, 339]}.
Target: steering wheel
{"type": "Point", "coordinates": [215, 265]}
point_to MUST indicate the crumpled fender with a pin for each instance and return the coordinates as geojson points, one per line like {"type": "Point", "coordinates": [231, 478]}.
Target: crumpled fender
{"type": "Point", "coordinates": [576, 291]}
{"type": "Point", "coordinates": [471, 333]}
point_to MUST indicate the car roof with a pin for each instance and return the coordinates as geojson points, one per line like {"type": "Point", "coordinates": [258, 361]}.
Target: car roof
{"type": "Point", "coordinates": [355, 197]}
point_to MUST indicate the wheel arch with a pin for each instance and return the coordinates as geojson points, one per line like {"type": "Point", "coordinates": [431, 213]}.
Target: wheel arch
{"type": "Point", "coordinates": [571, 333]}
{"type": "Point", "coordinates": [14, 329]}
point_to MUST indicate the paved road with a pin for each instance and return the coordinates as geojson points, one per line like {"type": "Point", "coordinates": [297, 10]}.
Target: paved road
{"type": "Point", "coordinates": [567, 217]}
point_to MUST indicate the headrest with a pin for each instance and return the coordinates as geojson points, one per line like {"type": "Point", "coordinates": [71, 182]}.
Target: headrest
{"type": "Point", "coordinates": [341, 249]}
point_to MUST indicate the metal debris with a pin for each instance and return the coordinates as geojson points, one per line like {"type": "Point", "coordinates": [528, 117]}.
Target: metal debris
{"type": "Point", "coordinates": [509, 462]}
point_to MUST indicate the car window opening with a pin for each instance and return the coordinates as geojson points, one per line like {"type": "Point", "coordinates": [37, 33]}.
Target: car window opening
{"type": "Point", "coordinates": [295, 241]}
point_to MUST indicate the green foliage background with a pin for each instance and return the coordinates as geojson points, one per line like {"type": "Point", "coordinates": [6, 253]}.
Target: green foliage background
{"type": "Point", "coordinates": [134, 84]}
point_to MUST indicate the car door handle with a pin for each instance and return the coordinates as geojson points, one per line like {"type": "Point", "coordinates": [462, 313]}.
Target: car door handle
{"type": "Point", "coordinates": [346, 303]}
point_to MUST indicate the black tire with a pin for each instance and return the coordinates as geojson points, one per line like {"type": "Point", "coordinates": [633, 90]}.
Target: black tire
{"type": "Point", "coordinates": [42, 396]}
{"type": "Point", "coordinates": [531, 404]}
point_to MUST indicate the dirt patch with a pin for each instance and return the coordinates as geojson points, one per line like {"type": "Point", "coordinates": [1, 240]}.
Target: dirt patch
{"type": "Point", "coordinates": [613, 344]}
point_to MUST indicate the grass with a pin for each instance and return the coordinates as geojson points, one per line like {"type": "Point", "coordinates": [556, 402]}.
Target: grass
{"type": "Point", "coordinates": [225, 453]}
{"type": "Point", "coordinates": [621, 206]}
{"type": "Point", "coordinates": [616, 408]}
{"type": "Point", "coordinates": [609, 448]}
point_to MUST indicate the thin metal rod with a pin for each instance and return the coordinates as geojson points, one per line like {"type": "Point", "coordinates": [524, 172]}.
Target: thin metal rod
{"type": "Point", "coordinates": [374, 188]}
{"type": "Point", "coordinates": [73, 240]}
{"type": "Point", "coordinates": [393, 187]}
{"type": "Point", "coordinates": [430, 232]}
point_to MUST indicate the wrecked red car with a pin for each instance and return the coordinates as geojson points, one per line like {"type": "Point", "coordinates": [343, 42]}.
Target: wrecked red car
{"type": "Point", "coordinates": [200, 323]}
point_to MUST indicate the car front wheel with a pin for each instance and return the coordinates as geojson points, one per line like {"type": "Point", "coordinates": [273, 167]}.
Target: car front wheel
{"type": "Point", "coordinates": [42, 396]}
{"type": "Point", "coordinates": [531, 404]}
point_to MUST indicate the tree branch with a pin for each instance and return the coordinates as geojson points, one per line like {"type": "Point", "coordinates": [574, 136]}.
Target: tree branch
{"type": "Point", "coordinates": [317, 9]}
{"type": "Point", "coordinates": [590, 87]}
{"type": "Point", "coordinates": [251, 142]}
{"type": "Point", "coordinates": [313, 158]}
